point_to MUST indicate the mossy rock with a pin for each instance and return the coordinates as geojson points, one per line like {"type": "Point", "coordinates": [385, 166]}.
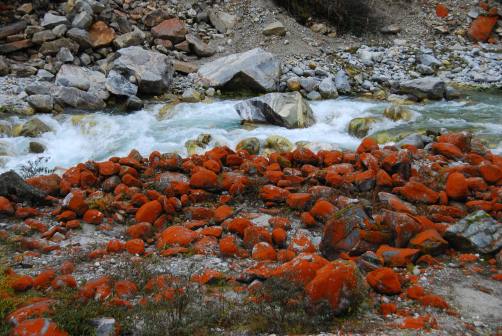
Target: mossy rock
{"type": "Point", "coordinates": [192, 147]}
{"type": "Point", "coordinates": [397, 112]}
{"type": "Point", "coordinates": [251, 145]}
{"type": "Point", "coordinates": [277, 143]}
{"type": "Point", "coordinates": [359, 127]}
{"type": "Point", "coordinates": [34, 128]}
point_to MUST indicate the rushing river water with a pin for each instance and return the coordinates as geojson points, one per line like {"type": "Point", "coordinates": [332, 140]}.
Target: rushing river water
{"type": "Point", "coordinates": [97, 136]}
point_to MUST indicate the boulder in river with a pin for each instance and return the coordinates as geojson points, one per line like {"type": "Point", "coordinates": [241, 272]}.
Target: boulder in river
{"type": "Point", "coordinates": [283, 109]}
{"type": "Point", "coordinates": [424, 88]}
{"type": "Point", "coordinates": [255, 70]}
{"type": "Point", "coordinates": [33, 128]}
{"type": "Point", "coordinates": [119, 85]}
{"type": "Point", "coordinates": [152, 71]}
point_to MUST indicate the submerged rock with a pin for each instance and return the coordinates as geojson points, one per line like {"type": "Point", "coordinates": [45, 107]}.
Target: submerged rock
{"type": "Point", "coordinates": [283, 109]}
{"type": "Point", "coordinates": [251, 145]}
{"type": "Point", "coordinates": [359, 127]}
{"type": "Point", "coordinates": [34, 128]}
{"type": "Point", "coordinates": [255, 70]}
{"type": "Point", "coordinates": [477, 232]}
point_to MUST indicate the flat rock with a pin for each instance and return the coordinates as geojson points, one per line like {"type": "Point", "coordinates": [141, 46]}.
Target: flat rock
{"type": "Point", "coordinates": [51, 20]}
{"type": "Point", "coordinates": [274, 28]}
{"type": "Point", "coordinates": [422, 88]}
{"type": "Point", "coordinates": [41, 103]}
{"type": "Point", "coordinates": [289, 110]}
{"type": "Point", "coordinates": [12, 29]}
{"type": "Point", "coordinates": [53, 47]}
{"type": "Point", "coordinates": [255, 70]}
{"type": "Point", "coordinates": [172, 29]}
{"type": "Point", "coordinates": [198, 47]}
{"type": "Point", "coordinates": [222, 21]}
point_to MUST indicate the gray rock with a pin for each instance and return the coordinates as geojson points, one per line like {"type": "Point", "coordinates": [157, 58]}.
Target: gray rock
{"type": "Point", "coordinates": [198, 47]}
{"type": "Point", "coordinates": [255, 70]}
{"type": "Point", "coordinates": [22, 70]}
{"type": "Point", "coordinates": [36, 147]}
{"type": "Point", "coordinates": [4, 67]}
{"type": "Point", "coordinates": [477, 232]}
{"type": "Point", "coordinates": [43, 36]}
{"type": "Point", "coordinates": [65, 56]}
{"type": "Point", "coordinates": [119, 85]}
{"type": "Point", "coordinates": [80, 36]}
{"type": "Point", "coordinates": [34, 128]}
{"type": "Point", "coordinates": [274, 28]}
{"type": "Point", "coordinates": [152, 70]}
{"type": "Point", "coordinates": [50, 20]}
{"type": "Point", "coordinates": [41, 103]}
{"type": "Point", "coordinates": [104, 326]}
{"type": "Point", "coordinates": [60, 30]}
{"type": "Point", "coordinates": [82, 20]}
{"type": "Point", "coordinates": [12, 29]}
{"type": "Point", "coordinates": [425, 70]}
{"type": "Point", "coordinates": [412, 139]}
{"type": "Point", "coordinates": [133, 103]}
{"type": "Point", "coordinates": [428, 60]}
{"type": "Point", "coordinates": [283, 109]}
{"type": "Point", "coordinates": [342, 82]}
{"type": "Point", "coordinates": [41, 88]}
{"type": "Point", "coordinates": [73, 76]}
{"type": "Point", "coordinates": [53, 47]}
{"type": "Point", "coordinates": [309, 84]}
{"type": "Point", "coordinates": [191, 95]}
{"type": "Point", "coordinates": [327, 88]}
{"type": "Point", "coordinates": [44, 75]}
{"type": "Point", "coordinates": [391, 29]}
{"type": "Point", "coordinates": [133, 38]}
{"type": "Point", "coordinates": [314, 95]}
{"type": "Point", "coordinates": [73, 97]}
{"type": "Point", "coordinates": [222, 21]}
{"type": "Point", "coordinates": [422, 88]}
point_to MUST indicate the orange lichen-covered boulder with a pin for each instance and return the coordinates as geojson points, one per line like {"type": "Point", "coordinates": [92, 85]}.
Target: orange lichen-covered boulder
{"type": "Point", "coordinates": [429, 242]}
{"type": "Point", "coordinates": [457, 187]}
{"type": "Point", "coordinates": [339, 283]}
{"type": "Point", "coordinates": [301, 269]}
{"type": "Point", "coordinates": [6, 208]}
{"type": "Point", "coordinates": [263, 252]}
{"type": "Point", "coordinates": [228, 246]}
{"type": "Point", "coordinates": [323, 210]}
{"type": "Point", "coordinates": [397, 257]}
{"type": "Point", "coordinates": [417, 192]}
{"type": "Point", "coordinates": [36, 309]}
{"type": "Point", "coordinates": [223, 212]}
{"type": "Point", "coordinates": [482, 28]}
{"type": "Point", "coordinates": [149, 212]}
{"type": "Point", "coordinates": [135, 246]}
{"type": "Point", "coordinates": [76, 201]}
{"type": "Point", "coordinates": [384, 280]}
{"type": "Point", "coordinates": [93, 216]}
{"type": "Point", "coordinates": [176, 235]}
{"type": "Point", "coordinates": [367, 145]}
{"type": "Point", "coordinates": [273, 194]}
{"type": "Point", "coordinates": [298, 200]}
{"type": "Point", "coordinates": [37, 327]}
{"type": "Point", "coordinates": [238, 225]}
{"type": "Point", "coordinates": [21, 283]}
{"type": "Point", "coordinates": [140, 230]}
{"type": "Point", "coordinates": [47, 183]}
{"type": "Point", "coordinates": [204, 179]}
{"type": "Point", "coordinates": [256, 234]}
{"type": "Point", "coordinates": [490, 172]}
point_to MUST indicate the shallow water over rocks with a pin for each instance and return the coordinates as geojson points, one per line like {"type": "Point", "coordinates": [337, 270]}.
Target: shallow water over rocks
{"type": "Point", "coordinates": [97, 136]}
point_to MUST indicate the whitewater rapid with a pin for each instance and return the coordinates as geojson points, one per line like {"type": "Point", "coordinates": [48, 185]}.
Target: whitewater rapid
{"type": "Point", "coordinates": [98, 136]}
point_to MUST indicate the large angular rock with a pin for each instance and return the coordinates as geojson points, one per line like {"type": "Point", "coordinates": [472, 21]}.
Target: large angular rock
{"type": "Point", "coordinates": [152, 71]}
{"type": "Point", "coordinates": [222, 21]}
{"type": "Point", "coordinates": [41, 103]}
{"type": "Point", "coordinates": [83, 79]}
{"type": "Point", "coordinates": [198, 47]}
{"type": "Point", "coordinates": [283, 109]}
{"type": "Point", "coordinates": [255, 70]}
{"type": "Point", "coordinates": [10, 47]}
{"type": "Point", "coordinates": [73, 97]}
{"type": "Point", "coordinates": [422, 88]}
{"type": "Point", "coordinates": [119, 85]}
{"type": "Point", "coordinates": [34, 128]}
{"type": "Point", "coordinates": [477, 232]}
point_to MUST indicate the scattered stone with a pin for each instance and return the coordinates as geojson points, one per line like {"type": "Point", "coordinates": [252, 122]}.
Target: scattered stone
{"type": "Point", "coordinates": [222, 21]}
{"type": "Point", "coordinates": [198, 47]}
{"type": "Point", "coordinates": [41, 103]}
{"type": "Point", "coordinates": [36, 147]}
{"type": "Point", "coordinates": [191, 95]}
{"type": "Point", "coordinates": [274, 28]}
{"type": "Point", "coordinates": [50, 20]}
{"type": "Point", "coordinates": [119, 85]}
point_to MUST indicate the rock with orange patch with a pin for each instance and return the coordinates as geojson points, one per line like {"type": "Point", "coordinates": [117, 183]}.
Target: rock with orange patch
{"type": "Point", "coordinates": [307, 219]}
{"type": "Point", "coordinates": [300, 243]}
{"type": "Point", "coordinates": [272, 193]}
{"type": "Point", "coordinates": [441, 10]}
{"type": "Point", "coordinates": [299, 201]}
{"type": "Point", "coordinates": [435, 301]}
{"type": "Point", "coordinates": [384, 280]}
{"type": "Point", "coordinates": [447, 149]}
{"type": "Point", "coordinates": [176, 235]}
{"type": "Point", "coordinates": [457, 187]}
{"type": "Point", "coordinates": [135, 246]}
{"type": "Point", "coordinates": [367, 145]}
{"type": "Point", "coordinates": [238, 225]}
{"type": "Point", "coordinates": [263, 252]}
{"type": "Point", "coordinates": [44, 279]}
{"type": "Point", "coordinates": [429, 242]}
{"type": "Point", "coordinates": [395, 203]}
{"type": "Point", "coordinates": [6, 208]}
{"type": "Point", "coordinates": [37, 327]}
{"type": "Point", "coordinates": [482, 28]}
{"type": "Point", "coordinates": [204, 179]}
{"type": "Point", "coordinates": [21, 283]}
{"type": "Point", "coordinates": [490, 172]}
{"type": "Point", "coordinates": [149, 212]}
{"type": "Point", "coordinates": [47, 183]}
{"type": "Point", "coordinates": [403, 226]}
{"type": "Point", "coordinates": [228, 246]}
{"type": "Point", "coordinates": [93, 216]}
{"type": "Point", "coordinates": [125, 289]}
{"type": "Point", "coordinates": [388, 308]}
{"type": "Point", "coordinates": [301, 269]}
{"type": "Point", "coordinates": [279, 236]}
{"type": "Point", "coordinates": [100, 34]}
{"type": "Point", "coordinates": [140, 230]}
{"type": "Point", "coordinates": [64, 281]}
{"type": "Point", "coordinates": [323, 210]}
{"type": "Point", "coordinates": [397, 257]}
{"type": "Point", "coordinates": [223, 212]}
{"type": "Point", "coordinates": [114, 246]}
{"type": "Point", "coordinates": [36, 309]}
{"type": "Point", "coordinates": [461, 139]}
{"type": "Point", "coordinates": [340, 284]}
{"type": "Point", "coordinates": [76, 201]}
{"type": "Point", "coordinates": [415, 292]}
{"type": "Point", "coordinates": [417, 192]}
{"type": "Point", "coordinates": [256, 234]}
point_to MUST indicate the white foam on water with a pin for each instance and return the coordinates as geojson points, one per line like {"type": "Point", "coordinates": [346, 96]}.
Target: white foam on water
{"type": "Point", "coordinates": [99, 136]}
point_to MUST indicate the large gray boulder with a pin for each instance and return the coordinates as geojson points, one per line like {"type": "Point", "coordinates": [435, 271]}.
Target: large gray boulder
{"type": "Point", "coordinates": [79, 99]}
{"type": "Point", "coordinates": [83, 79]}
{"type": "Point", "coordinates": [283, 109]}
{"type": "Point", "coordinates": [424, 88]}
{"type": "Point", "coordinates": [152, 71]}
{"type": "Point", "coordinates": [477, 232]}
{"type": "Point", "coordinates": [119, 85]}
{"type": "Point", "coordinates": [255, 70]}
